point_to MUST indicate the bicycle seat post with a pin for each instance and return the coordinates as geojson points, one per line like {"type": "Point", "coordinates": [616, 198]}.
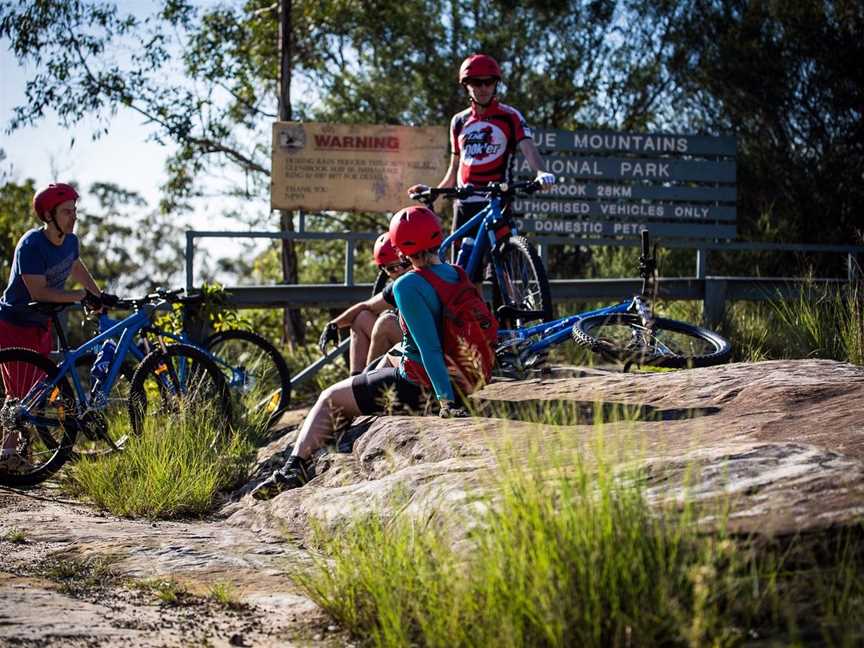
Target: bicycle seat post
{"type": "Point", "coordinates": [61, 332]}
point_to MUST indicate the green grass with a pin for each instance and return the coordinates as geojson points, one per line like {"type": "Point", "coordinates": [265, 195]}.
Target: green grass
{"type": "Point", "coordinates": [571, 554]}
{"type": "Point", "coordinates": [77, 575]}
{"type": "Point", "coordinates": [167, 590]}
{"type": "Point", "coordinates": [225, 594]}
{"type": "Point", "coordinates": [818, 324]}
{"type": "Point", "coordinates": [173, 470]}
{"type": "Point", "coordinates": [15, 536]}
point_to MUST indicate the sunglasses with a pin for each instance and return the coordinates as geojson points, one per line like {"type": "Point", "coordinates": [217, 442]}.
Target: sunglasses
{"type": "Point", "coordinates": [390, 268]}
{"type": "Point", "coordinates": [478, 83]}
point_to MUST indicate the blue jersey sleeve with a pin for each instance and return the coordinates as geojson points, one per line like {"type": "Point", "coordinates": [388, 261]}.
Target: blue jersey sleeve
{"type": "Point", "coordinates": [421, 309]}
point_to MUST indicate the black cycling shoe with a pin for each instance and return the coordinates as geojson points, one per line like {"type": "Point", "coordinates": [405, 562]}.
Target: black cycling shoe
{"type": "Point", "coordinates": [295, 473]}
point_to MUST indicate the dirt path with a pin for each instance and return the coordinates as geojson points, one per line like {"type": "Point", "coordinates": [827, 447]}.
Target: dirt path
{"type": "Point", "coordinates": [72, 576]}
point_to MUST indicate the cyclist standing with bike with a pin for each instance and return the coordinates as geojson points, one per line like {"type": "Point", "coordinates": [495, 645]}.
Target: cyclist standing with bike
{"type": "Point", "coordinates": [484, 139]}
{"type": "Point", "coordinates": [44, 259]}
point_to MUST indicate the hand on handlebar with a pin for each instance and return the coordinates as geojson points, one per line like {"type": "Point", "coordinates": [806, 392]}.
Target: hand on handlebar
{"type": "Point", "coordinates": [92, 303]}
{"type": "Point", "coordinates": [413, 190]}
{"type": "Point", "coordinates": [545, 179]}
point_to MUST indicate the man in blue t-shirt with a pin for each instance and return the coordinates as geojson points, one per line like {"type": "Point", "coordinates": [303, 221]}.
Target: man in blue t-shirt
{"type": "Point", "coordinates": [44, 258]}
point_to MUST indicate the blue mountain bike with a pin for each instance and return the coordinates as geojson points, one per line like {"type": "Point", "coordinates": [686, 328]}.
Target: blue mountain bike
{"type": "Point", "coordinates": [520, 287]}
{"type": "Point", "coordinates": [627, 332]}
{"type": "Point", "coordinates": [45, 407]}
{"type": "Point", "coordinates": [255, 371]}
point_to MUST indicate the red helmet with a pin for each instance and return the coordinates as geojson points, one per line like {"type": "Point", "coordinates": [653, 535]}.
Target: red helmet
{"type": "Point", "coordinates": [415, 229]}
{"type": "Point", "coordinates": [49, 198]}
{"type": "Point", "coordinates": [384, 253]}
{"type": "Point", "coordinates": [479, 65]}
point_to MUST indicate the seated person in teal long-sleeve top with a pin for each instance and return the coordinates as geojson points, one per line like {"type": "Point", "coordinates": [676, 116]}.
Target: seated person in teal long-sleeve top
{"type": "Point", "coordinates": [420, 308]}
{"type": "Point", "coordinates": [416, 232]}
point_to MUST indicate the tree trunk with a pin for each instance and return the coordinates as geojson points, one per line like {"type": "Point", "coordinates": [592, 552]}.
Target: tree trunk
{"type": "Point", "coordinates": [293, 327]}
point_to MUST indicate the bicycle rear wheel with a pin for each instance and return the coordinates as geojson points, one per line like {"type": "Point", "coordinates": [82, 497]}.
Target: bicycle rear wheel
{"type": "Point", "coordinates": [179, 382]}
{"type": "Point", "coordinates": [255, 371]}
{"type": "Point", "coordinates": [525, 284]}
{"type": "Point", "coordinates": [670, 343]}
{"type": "Point", "coordinates": [37, 423]}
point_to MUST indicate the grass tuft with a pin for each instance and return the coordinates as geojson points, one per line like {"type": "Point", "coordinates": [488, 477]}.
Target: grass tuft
{"type": "Point", "coordinates": [15, 536]}
{"type": "Point", "coordinates": [173, 469]}
{"type": "Point", "coordinates": [568, 554]}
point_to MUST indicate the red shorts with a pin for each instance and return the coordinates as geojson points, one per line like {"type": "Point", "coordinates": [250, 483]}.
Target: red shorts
{"type": "Point", "coordinates": [18, 378]}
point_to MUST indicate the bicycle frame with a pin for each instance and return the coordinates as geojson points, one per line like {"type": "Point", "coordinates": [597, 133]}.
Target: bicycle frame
{"type": "Point", "coordinates": [479, 224]}
{"type": "Point", "coordinates": [126, 330]}
{"type": "Point", "coordinates": [549, 334]}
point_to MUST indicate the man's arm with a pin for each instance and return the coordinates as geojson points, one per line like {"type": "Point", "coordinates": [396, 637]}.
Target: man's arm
{"type": "Point", "coordinates": [532, 156]}
{"type": "Point", "coordinates": [449, 179]}
{"type": "Point", "coordinates": [82, 275]}
{"type": "Point", "coordinates": [37, 286]}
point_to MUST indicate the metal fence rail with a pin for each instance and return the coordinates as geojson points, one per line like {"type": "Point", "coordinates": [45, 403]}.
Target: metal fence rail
{"type": "Point", "coordinates": [713, 291]}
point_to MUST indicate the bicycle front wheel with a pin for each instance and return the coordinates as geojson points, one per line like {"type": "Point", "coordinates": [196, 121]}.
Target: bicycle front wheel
{"type": "Point", "coordinates": [180, 383]}
{"type": "Point", "coordinates": [525, 286]}
{"type": "Point", "coordinates": [255, 372]}
{"type": "Point", "coordinates": [37, 422]}
{"type": "Point", "coordinates": [669, 343]}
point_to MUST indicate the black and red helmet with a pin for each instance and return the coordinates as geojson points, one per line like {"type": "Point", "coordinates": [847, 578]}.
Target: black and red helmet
{"type": "Point", "coordinates": [53, 195]}
{"type": "Point", "coordinates": [415, 229]}
{"type": "Point", "coordinates": [479, 66]}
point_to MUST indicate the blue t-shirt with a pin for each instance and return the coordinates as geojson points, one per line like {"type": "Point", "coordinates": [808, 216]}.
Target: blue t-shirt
{"type": "Point", "coordinates": [36, 255]}
{"type": "Point", "coordinates": [420, 307]}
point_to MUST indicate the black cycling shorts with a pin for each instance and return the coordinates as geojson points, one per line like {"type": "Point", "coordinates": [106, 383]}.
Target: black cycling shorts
{"type": "Point", "coordinates": [371, 387]}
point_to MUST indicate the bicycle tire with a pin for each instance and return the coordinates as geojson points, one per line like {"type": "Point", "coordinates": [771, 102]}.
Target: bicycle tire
{"type": "Point", "coordinates": [268, 384]}
{"type": "Point", "coordinates": [712, 349]}
{"type": "Point", "coordinates": [521, 266]}
{"type": "Point", "coordinates": [23, 366]}
{"type": "Point", "coordinates": [183, 378]}
{"type": "Point", "coordinates": [89, 444]}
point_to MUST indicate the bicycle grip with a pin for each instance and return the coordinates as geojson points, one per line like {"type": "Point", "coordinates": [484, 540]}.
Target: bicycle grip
{"type": "Point", "coordinates": [646, 247]}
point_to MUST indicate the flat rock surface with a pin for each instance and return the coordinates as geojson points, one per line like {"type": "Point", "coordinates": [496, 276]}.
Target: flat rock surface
{"type": "Point", "coordinates": [782, 441]}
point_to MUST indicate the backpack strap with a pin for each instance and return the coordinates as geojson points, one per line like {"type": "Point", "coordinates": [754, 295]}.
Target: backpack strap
{"type": "Point", "coordinates": [445, 289]}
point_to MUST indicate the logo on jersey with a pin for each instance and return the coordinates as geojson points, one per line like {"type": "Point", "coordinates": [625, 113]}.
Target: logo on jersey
{"type": "Point", "coordinates": [482, 143]}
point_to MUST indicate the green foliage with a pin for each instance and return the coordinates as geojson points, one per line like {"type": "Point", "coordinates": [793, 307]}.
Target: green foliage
{"type": "Point", "coordinates": [14, 535]}
{"type": "Point", "coordinates": [780, 76]}
{"type": "Point", "coordinates": [126, 248]}
{"type": "Point", "coordinates": [16, 217]}
{"type": "Point", "coordinates": [570, 553]}
{"type": "Point", "coordinates": [172, 470]}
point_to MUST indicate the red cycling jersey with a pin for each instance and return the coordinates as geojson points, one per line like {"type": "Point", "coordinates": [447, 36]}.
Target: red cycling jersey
{"type": "Point", "coordinates": [486, 143]}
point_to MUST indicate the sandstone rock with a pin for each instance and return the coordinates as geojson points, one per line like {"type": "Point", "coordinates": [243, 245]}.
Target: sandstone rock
{"type": "Point", "coordinates": [784, 440]}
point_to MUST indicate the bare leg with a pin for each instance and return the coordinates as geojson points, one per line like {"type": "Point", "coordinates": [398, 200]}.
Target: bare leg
{"type": "Point", "coordinates": [385, 334]}
{"type": "Point", "coordinates": [361, 333]}
{"type": "Point", "coordinates": [335, 406]}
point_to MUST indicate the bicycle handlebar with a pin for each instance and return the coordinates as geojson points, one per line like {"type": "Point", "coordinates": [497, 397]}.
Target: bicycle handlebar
{"type": "Point", "coordinates": [492, 190]}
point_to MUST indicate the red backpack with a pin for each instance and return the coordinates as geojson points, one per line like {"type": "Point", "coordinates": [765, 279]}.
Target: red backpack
{"type": "Point", "coordinates": [469, 334]}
